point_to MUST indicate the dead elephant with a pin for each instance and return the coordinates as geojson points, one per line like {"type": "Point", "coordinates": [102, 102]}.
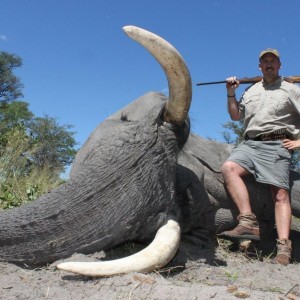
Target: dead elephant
{"type": "Point", "coordinates": [140, 175]}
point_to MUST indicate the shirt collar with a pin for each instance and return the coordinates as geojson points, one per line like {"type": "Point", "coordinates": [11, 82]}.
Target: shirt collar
{"type": "Point", "coordinates": [276, 83]}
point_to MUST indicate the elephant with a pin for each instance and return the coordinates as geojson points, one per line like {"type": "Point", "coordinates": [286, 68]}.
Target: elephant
{"type": "Point", "coordinates": [140, 176]}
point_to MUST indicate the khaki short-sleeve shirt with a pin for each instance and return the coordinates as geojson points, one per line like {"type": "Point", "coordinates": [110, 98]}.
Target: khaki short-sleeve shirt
{"type": "Point", "coordinates": [269, 107]}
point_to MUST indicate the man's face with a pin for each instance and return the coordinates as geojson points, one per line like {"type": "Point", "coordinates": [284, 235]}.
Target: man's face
{"type": "Point", "coordinates": [270, 65]}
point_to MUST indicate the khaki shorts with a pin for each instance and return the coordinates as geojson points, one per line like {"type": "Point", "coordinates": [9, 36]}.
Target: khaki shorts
{"type": "Point", "coordinates": [268, 161]}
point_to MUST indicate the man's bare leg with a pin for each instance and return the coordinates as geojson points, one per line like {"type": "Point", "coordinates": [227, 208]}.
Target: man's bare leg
{"type": "Point", "coordinates": [248, 226]}
{"type": "Point", "coordinates": [283, 212]}
{"type": "Point", "coordinates": [283, 217]}
{"type": "Point", "coordinates": [233, 173]}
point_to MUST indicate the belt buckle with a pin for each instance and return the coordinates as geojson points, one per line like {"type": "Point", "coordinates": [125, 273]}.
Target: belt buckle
{"type": "Point", "coordinates": [278, 137]}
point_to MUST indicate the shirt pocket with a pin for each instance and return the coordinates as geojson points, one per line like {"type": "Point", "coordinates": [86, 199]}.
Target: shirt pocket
{"type": "Point", "coordinates": [280, 105]}
{"type": "Point", "coordinates": [283, 153]}
{"type": "Point", "coordinates": [251, 104]}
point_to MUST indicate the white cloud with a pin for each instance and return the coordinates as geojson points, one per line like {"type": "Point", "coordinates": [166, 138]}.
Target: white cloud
{"type": "Point", "coordinates": [3, 37]}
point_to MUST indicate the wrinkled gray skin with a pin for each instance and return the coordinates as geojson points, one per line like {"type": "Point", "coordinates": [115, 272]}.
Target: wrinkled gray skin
{"type": "Point", "coordinates": [132, 174]}
{"type": "Point", "coordinates": [121, 187]}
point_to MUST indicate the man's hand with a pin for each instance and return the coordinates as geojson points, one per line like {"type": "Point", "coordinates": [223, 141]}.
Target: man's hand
{"type": "Point", "coordinates": [291, 145]}
{"type": "Point", "coordinates": [231, 85]}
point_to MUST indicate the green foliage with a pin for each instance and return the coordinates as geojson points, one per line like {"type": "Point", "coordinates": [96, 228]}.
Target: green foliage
{"type": "Point", "coordinates": [20, 184]}
{"type": "Point", "coordinates": [52, 144]}
{"type": "Point", "coordinates": [8, 198]}
{"type": "Point", "coordinates": [33, 153]}
{"type": "Point", "coordinates": [237, 128]}
{"type": "Point", "coordinates": [17, 191]}
{"type": "Point", "coordinates": [10, 84]}
{"type": "Point", "coordinates": [13, 114]}
{"type": "Point", "coordinates": [33, 150]}
{"type": "Point", "coordinates": [37, 141]}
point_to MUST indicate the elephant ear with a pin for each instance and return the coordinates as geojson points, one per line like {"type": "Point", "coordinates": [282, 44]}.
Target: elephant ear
{"type": "Point", "coordinates": [210, 153]}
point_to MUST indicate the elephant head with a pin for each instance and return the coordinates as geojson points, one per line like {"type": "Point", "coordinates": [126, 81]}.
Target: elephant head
{"type": "Point", "coordinates": [122, 182]}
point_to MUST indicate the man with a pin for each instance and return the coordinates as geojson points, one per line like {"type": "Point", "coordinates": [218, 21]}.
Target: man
{"type": "Point", "coordinates": [270, 110]}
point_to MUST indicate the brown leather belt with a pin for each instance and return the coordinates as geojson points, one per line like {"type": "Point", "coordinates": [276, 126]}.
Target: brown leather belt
{"type": "Point", "coordinates": [270, 137]}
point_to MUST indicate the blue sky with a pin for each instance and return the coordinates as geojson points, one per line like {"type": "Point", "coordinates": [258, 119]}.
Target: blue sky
{"type": "Point", "coordinates": [79, 66]}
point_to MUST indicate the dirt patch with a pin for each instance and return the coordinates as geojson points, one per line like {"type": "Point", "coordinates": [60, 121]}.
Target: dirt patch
{"type": "Point", "coordinates": [195, 273]}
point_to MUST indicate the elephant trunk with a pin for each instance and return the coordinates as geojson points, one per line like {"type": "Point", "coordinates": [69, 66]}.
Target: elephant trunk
{"type": "Point", "coordinates": [179, 80]}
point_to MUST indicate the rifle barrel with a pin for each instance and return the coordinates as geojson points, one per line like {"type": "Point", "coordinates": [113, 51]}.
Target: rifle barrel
{"type": "Point", "coordinates": [212, 82]}
{"type": "Point", "coordinates": [241, 81]}
{"type": "Point", "coordinates": [247, 80]}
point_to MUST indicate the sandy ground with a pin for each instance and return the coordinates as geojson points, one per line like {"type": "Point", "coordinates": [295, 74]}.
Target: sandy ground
{"type": "Point", "coordinates": [195, 273]}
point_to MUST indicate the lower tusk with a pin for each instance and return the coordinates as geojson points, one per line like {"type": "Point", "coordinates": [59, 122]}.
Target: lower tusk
{"type": "Point", "coordinates": [162, 249]}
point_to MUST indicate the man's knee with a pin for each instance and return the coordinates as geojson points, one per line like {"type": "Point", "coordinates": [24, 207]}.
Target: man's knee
{"type": "Point", "coordinates": [225, 167]}
{"type": "Point", "coordinates": [281, 196]}
{"type": "Point", "coordinates": [228, 167]}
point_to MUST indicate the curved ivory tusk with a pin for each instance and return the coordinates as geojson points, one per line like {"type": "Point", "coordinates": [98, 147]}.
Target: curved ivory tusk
{"type": "Point", "coordinates": [162, 249]}
{"type": "Point", "coordinates": [179, 80]}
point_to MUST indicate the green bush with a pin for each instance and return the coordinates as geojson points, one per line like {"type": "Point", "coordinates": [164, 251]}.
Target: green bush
{"type": "Point", "coordinates": [21, 182]}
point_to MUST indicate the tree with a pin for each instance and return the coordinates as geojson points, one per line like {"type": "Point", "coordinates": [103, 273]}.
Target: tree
{"type": "Point", "coordinates": [48, 143]}
{"type": "Point", "coordinates": [15, 113]}
{"type": "Point", "coordinates": [238, 130]}
{"type": "Point", "coordinates": [33, 150]}
{"type": "Point", "coordinates": [52, 144]}
{"type": "Point", "coordinates": [33, 153]}
{"type": "Point", "coordinates": [10, 84]}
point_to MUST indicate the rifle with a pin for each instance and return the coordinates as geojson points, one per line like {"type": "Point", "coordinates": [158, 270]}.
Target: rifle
{"type": "Point", "coordinates": [251, 80]}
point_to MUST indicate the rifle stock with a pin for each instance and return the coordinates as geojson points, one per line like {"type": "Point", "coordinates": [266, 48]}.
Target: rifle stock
{"type": "Point", "coordinates": [251, 80]}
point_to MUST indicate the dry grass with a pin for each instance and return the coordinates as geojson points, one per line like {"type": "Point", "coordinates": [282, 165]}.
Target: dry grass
{"type": "Point", "coordinates": [21, 182]}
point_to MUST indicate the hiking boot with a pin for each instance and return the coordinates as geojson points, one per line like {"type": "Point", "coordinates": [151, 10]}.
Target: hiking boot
{"type": "Point", "coordinates": [284, 251]}
{"type": "Point", "coordinates": [246, 229]}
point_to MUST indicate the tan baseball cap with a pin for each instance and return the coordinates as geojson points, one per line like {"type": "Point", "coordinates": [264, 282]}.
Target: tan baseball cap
{"type": "Point", "coordinates": [269, 50]}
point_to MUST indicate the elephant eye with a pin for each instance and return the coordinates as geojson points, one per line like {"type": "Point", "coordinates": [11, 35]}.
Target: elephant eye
{"type": "Point", "coordinates": [124, 118]}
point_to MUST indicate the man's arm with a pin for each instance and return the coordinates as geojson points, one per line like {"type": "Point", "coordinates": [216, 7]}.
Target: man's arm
{"type": "Point", "coordinates": [233, 109]}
